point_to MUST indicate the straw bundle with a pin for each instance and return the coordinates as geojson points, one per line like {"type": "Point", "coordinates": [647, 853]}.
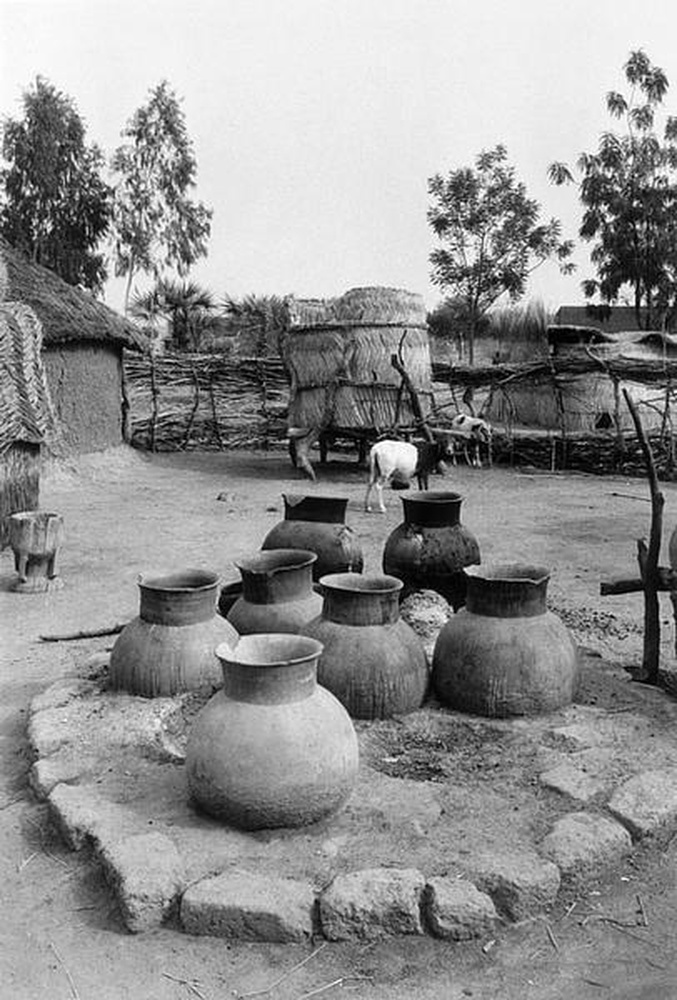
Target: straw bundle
{"type": "Point", "coordinates": [26, 412]}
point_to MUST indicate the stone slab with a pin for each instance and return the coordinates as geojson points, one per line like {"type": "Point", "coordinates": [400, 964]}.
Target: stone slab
{"type": "Point", "coordinates": [567, 779]}
{"type": "Point", "coordinates": [580, 841]}
{"type": "Point", "coordinates": [520, 885]}
{"type": "Point", "coordinates": [372, 903]}
{"type": "Point", "coordinates": [147, 877]}
{"type": "Point", "coordinates": [647, 803]}
{"type": "Point", "coordinates": [248, 907]}
{"type": "Point", "coordinates": [455, 909]}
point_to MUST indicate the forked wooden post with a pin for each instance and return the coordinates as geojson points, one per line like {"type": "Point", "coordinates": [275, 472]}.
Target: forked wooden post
{"type": "Point", "coordinates": [652, 578]}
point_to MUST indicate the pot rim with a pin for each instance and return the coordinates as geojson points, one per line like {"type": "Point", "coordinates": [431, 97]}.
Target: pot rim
{"type": "Point", "coordinates": [514, 572]}
{"type": "Point", "coordinates": [434, 496]}
{"type": "Point", "coordinates": [178, 581]}
{"type": "Point", "coordinates": [43, 515]}
{"type": "Point", "coordinates": [296, 498]}
{"type": "Point", "coordinates": [361, 583]}
{"type": "Point", "coordinates": [244, 651]}
{"type": "Point", "coordinates": [270, 561]}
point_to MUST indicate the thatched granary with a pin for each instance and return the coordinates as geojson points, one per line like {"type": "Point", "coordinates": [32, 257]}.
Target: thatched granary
{"type": "Point", "coordinates": [338, 355]}
{"type": "Point", "coordinates": [82, 344]}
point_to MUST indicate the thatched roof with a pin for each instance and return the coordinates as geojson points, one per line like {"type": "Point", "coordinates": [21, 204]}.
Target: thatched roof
{"type": "Point", "coordinates": [621, 342]}
{"type": "Point", "coordinates": [66, 313]}
{"type": "Point", "coordinates": [370, 305]}
{"type": "Point", "coordinates": [26, 413]}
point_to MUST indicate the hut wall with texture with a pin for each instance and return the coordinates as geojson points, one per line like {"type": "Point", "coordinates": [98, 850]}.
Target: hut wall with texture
{"type": "Point", "coordinates": [85, 383]}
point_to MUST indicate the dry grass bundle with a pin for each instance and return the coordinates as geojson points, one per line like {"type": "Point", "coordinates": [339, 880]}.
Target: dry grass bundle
{"type": "Point", "coordinates": [26, 412]}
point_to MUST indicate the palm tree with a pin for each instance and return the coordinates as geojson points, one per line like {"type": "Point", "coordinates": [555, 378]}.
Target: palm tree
{"type": "Point", "coordinates": [188, 308]}
{"type": "Point", "coordinates": [263, 317]}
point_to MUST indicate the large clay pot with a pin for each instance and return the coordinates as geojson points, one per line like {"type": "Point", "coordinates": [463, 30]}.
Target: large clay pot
{"type": "Point", "coordinates": [504, 653]}
{"type": "Point", "coordinates": [373, 661]}
{"type": "Point", "coordinates": [35, 537]}
{"type": "Point", "coordinates": [272, 748]}
{"type": "Point", "coordinates": [431, 548]}
{"type": "Point", "coordinates": [277, 592]}
{"type": "Point", "coordinates": [171, 646]}
{"type": "Point", "coordinates": [319, 524]}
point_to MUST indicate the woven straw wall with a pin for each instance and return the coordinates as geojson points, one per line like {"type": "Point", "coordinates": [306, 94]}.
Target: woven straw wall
{"type": "Point", "coordinates": [342, 376]}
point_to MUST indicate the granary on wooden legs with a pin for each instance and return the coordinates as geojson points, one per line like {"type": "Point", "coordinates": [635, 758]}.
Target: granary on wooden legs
{"type": "Point", "coordinates": [343, 383]}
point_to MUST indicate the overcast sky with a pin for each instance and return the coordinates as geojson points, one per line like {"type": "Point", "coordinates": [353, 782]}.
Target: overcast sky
{"type": "Point", "coordinates": [316, 123]}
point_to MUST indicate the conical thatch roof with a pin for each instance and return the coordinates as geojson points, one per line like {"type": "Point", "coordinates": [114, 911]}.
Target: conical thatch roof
{"type": "Point", "coordinates": [66, 313]}
{"type": "Point", "coordinates": [26, 413]}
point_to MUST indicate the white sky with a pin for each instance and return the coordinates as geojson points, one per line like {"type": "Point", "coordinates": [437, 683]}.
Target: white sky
{"type": "Point", "coordinates": [316, 123]}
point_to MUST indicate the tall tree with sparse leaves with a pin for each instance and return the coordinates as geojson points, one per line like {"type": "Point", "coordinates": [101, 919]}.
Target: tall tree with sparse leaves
{"type": "Point", "coordinates": [156, 223]}
{"type": "Point", "coordinates": [490, 236]}
{"type": "Point", "coordinates": [628, 189]}
{"type": "Point", "coordinates": [54, 204]}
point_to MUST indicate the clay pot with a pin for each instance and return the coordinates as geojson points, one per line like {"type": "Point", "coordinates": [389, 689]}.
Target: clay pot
{"type": "Point", "coordinates": [318, 523]}
{"type": "Point", "coordinates": [430, 549]}
{"type": "Point", "coordinates": [35, 537]}
{"type": "Point", "coordinates": [272, 748]}
{"type": "Point", "coordinates": [171, 646]}
{"type": "Point", "coordinates": [373, 661]}
{"type": "Point", "coordinates": [277, 592]}
{"type": "Point", "coordinates": [504, 653]}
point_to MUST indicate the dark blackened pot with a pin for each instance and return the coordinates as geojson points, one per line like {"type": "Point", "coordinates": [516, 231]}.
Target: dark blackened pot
{"type": "Point", "coordinates": [318, 523]}
{"type": "Point", "coordinates": [431, 548]}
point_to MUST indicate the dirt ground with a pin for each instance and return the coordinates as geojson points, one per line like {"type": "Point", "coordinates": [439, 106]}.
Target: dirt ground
{"type": "Point", "coordinates": [126, 513]}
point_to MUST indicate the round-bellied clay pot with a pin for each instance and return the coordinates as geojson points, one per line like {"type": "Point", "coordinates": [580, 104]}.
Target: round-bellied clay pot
{"type": "Point", "coordinates": [35, 537]}
{"type": "Point", "coordinates": [372, 661]}
{"type": "Point", "coordinates": [505, 654]}
{"type": "Point", "coordinates": [319, 524]}
{"type": "Point", "coordinates": [171, 646]}
{"type": "Point", "coordinates": [277, 592]}
{"type": "Point", "coordinates": [272, 748]}
{"type": "Point", "coordinates": [431, 548]}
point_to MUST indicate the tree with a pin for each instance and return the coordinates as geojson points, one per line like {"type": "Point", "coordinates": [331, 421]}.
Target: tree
{"type": "Point", "coordinates": [188, 309]}
{"type": "Point", "coordinates": [490, 234]}
{"type": "Point", "coordinates": [263, 319]}
{"type": "Point", "coordinates": [156, 224]}
{"type": "Point", "coordinates": [629, 196]}
{"type": "Point", "coordinates": [54, 205]}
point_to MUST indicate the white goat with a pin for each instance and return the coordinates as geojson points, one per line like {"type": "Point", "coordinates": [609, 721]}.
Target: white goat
{"type": "Point", "coordinates": [401, 461]}
{"type": "Point", "coordinates": [471, 432]}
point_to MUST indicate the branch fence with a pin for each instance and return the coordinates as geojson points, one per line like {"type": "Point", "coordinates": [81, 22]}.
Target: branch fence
{"type": "Point", "coordinates": [184, 401]}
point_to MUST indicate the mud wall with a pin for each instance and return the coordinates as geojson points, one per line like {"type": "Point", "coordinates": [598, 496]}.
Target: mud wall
{"type": "Point", "coordinates": [85, 383]}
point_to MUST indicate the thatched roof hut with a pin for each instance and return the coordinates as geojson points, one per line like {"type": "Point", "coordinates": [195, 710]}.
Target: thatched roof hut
{"type": "Point", "coordinates": [338, 354]}
{"type": "Point", "coordinates": [82, 344]}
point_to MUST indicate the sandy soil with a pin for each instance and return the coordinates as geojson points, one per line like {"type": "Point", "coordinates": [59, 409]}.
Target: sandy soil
{"type": "Point", "coordinates": [126, 513]}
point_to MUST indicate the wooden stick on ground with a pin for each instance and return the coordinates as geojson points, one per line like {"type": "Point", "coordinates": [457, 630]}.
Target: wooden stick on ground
{"type": "Point", "coordinates": [85, 634]}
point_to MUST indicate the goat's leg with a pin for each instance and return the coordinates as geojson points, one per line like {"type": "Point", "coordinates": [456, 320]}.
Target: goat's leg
{"type": "Point", "coordinates": [370, 486]}
{"type": "Point", "coordinates": [379, 492]}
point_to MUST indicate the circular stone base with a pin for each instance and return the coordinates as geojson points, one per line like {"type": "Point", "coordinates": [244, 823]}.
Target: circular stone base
{"type": "Point", "coordinates": [38, 584]}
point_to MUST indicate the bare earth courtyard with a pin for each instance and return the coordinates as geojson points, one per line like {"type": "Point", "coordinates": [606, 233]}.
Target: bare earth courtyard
{"type": "Point", "coordinates": [125, 513]}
